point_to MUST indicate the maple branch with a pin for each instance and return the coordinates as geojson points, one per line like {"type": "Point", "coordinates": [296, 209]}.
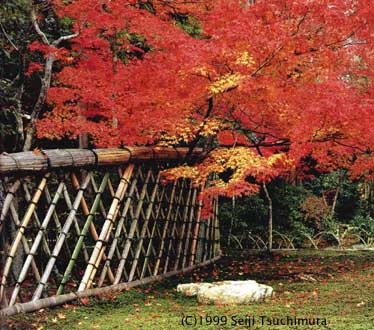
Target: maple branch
{"type": "Point", "coordinates": [345, 39]}
{"type": "Point", "coordinates": [254, 130]}
{"type": "Point", "coordinates": [267, 61]}
{"type": "Point", "coordinates": [349, 146]}
{"type": "Point", "coordinates": [36, 25]}
{"type": "Point", "coordinates": [64, 38]}
{"type": "Point", "coordinates": [302, 20]}
{"type": "Point", "coordinates": [283, 143]}
{"type": "Point", "coordinates": [198, 136]}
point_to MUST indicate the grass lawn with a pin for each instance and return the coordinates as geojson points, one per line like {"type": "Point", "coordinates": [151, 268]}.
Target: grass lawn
{"type": "Point", "coordinates": [336, 286]}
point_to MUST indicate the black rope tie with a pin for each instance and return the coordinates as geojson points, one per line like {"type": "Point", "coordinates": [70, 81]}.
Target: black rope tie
{"type": "Point", "coordinates": [18, 166]}
{"type": "Point", "coordinates": [49, 165]}
{"type": "Point", "coordinates": [96, 157]}
{"type": "Point", "coordinates": [129, 151]}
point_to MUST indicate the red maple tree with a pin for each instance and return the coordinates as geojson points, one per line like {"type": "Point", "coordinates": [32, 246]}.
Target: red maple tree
{"type": "Point", "coordinates": [274, 82]}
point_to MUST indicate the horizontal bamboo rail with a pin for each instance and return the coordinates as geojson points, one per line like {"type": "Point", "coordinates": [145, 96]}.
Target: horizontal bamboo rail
{"type": "Point", "coordinates": [65, 298]}
{"type": "Point", "coordinates": [40, 160]}
{"type": "Point", "coordinates": [76, 223]}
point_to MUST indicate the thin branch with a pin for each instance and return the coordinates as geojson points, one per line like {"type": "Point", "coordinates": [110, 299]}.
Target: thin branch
{"type": "Point", "coordinates": [63, 38]}
{"type": "Point", "coordinates": [8, 37]}
{"type": "Point", "coordinates": [37, 27]}
{"type": "Point", "coordinates": [267, 61]}
{"type": "Point", "coordinates": [197, 138]}
{"type": "Point", "coordinates": [302, 20]}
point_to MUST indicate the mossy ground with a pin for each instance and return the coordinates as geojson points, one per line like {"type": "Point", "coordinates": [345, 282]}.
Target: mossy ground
{"type": "Point", "coordinates": [338, 286]}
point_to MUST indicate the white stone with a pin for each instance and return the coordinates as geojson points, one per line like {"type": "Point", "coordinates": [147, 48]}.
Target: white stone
{"type": "Point", "coordinates": [227, 292]}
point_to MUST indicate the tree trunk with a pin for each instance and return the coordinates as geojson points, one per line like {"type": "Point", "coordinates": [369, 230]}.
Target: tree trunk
{"type": "Point", "coordinates": [46, 82]}
{"type": "Point", "coordinates": [270, 217]}
{"type": "Point", "coordinates": [340, 183]}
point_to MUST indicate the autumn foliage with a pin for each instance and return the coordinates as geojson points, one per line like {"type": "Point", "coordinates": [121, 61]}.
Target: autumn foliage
{"type": "Point", "coordinates": [275, 84]}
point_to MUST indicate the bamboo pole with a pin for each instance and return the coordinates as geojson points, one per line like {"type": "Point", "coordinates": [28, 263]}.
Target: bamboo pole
{"type": "Point", "coordinates": [6, 204]}
{"type": "Point", "coordinates": [83, 234]}
{"type": "Point", "coordinates": [212, 229]}
{"type": "Point", "coordinates": [85, 209]}
{"type": "Point", "coordinates": [142, 215]}
{"type": "Point", "coordinates": [164, 231]}
{"type": "Point", "coordinates": [35, 246]}
{"type": "Point", "coordinates": [200, 242]}
{"type": "Point", "coordinates": [137, 235]}
{"type": "Point", "coordinates": [173, 229]}
{"type": "Point", "coordinates": [118, 231]}
{"type": "Point", "coordinates": [56, 218]}
{"type": "Point", "coordinates": [187, 246]}
{"type": "Point", "coordinates": [78, 158]}
{"type": "Point", "coordinates": [110, 234]}
{"type": "Point", "coordinates": [37, 221]}
{"type": "Point", "coordinates": [152, 233]}
{"type": "Point", "coordinates": [133, 227]}
{"type": "Point", "coordinates": [196, 232]}
{"type": "Point", "coordinates": [183, 227]}
{"type": "Point", "coordinates": [106, 229]}
{"type": "Point", "coordinates": [217, 247]}
{"type": "Point", "coordinates": [24, 242]}
{"type": "Point", "coordinates": [61, 239]}
{"type": "Point", "coordinates": [75, 221]}
{"type": "Point", "coordinates": [65, 298]}
{"type": "Point", "coordinates": [21, 231]}
{"type": "Point", "coordinates": [104, 214]}
{"type": "Point", "coordinates": [206, 239]}
{"type": "Point", "coordinates": [144, 229]}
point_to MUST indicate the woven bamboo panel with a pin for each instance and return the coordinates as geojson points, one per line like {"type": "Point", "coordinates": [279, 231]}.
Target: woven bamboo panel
{"type": "Point", "coordinates": [71, 229]}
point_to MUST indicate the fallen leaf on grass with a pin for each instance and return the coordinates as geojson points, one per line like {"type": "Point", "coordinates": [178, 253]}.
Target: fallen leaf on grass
{"type": "Point", "coordinates": [84, 301]}
{"type": "Point", "coordinates": [61, 316]}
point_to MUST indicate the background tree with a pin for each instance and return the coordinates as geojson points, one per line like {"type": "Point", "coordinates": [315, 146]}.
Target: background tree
{"type": "Point", "coordinates": [279, 84]}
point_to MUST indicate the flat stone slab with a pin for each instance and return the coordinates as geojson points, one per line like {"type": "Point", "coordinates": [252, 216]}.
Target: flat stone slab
{"type": "Point", "coordinates": [227, 292]}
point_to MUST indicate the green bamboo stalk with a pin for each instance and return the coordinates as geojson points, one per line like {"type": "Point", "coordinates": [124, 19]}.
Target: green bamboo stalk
{"type": "Point", "coordinates": [106, 229]}
{"type": "Point", "coordinates": [118, 232]}
{"type": "Point", "coordinates": [103, 212]}
{"type": "Point", "coordinates": [183, 228]}
{"type": "Point", "coordinates": [166, 225]}
{"type": "Point", "coordinates": [56, 218]}
{"type": "Point", "coordinates": [83, 234]}
{"type": "Point", "coordinates": [110, 234]}
{"type": "Point", "coordinates": [206, 239]}
{"type": "Point", "coordinates": [174, 228]}
{"type": "Point", "coordinates": [133, 227]}
{"type": "Point", "coordinates": [86, 213]}
{"type": "Point", "coordinates": [196, 232]}
{"type": "Point", "coordinates": [212, 231]}
{"type": "Point", "coordinates": [137, 235]}
{"type": "Point", "coordinates": [35, 246]}
{"type": "Point", "coordinates": [189, 227]}
{"type": "Point", "coordinates": [217, 247]}
{"type": "Point", "coordinates": [144, 229]}
{"type": "Point", "coordinates": [75, 221]}
{"type": "Point", "coordinates": [151, 236]}
{"type": "Point", "coordinates": [61, 239]}
{"type": "Point", "coordinates": [26, 219]}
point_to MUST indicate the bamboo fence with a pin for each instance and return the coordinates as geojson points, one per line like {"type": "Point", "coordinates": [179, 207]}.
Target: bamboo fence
{"type": "Point", "coordinates": [81, 222]}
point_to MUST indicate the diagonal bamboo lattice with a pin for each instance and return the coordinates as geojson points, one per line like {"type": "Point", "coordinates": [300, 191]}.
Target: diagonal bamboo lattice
{"type": "Point", "coordinates": [75, 223]}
